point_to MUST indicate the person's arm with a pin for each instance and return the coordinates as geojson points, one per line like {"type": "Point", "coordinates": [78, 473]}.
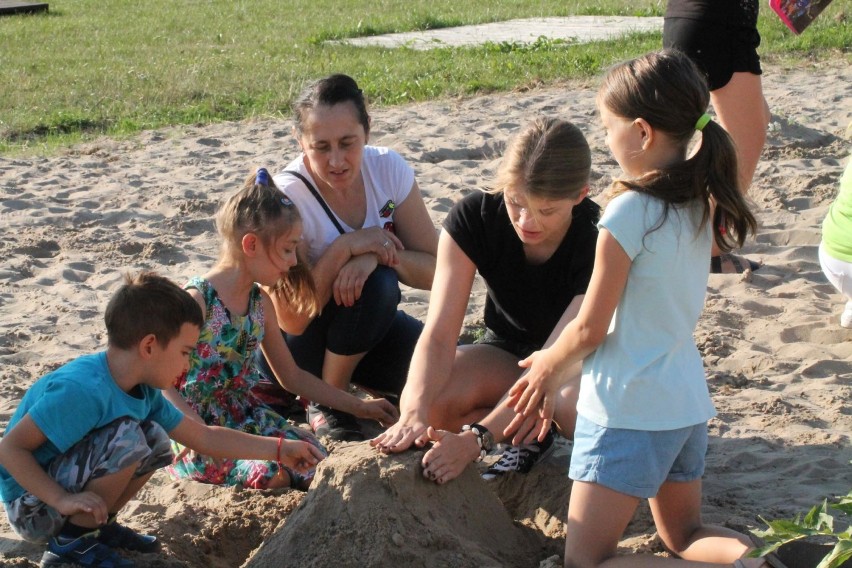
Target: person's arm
{"type": "Point", "coordinates": [416, 267]}
{"type": "Point", "coordinates": [219, 442]}
{"type": "Point", "coordinates": [173, 396]}
{"type": "Point", "coordinates": [16, 455]}
{"type": "Point", "coordinates": [432, 362]}
{"type": "Point", "coordinates": [327, 267]}
{"type": "Point", "coordinates": [536, 391]}
{"type": "Point", "coordinates": [298, 381]}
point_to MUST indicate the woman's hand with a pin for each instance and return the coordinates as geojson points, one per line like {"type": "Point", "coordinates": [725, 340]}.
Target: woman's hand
{"type": "Point", "coordinates": [349, 284]}
{"type": "Point", "coordinates": [379, 409]}
{"type": "Point", "coordinates": [384, 244]}
{"type": "Point", "coordinates": [300, 456]}
{"type": "Point", "coordinates": [407, 431]}
{"type": "Point", "coordinates": [449, 456]}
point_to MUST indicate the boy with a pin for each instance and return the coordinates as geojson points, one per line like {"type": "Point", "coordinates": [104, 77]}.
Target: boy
{"type": "Point", "coordinates": [88, 436]}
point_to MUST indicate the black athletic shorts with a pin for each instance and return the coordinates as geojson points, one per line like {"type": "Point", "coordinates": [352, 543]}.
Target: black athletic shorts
{"type": "Point", "coordinates": [718, 50]}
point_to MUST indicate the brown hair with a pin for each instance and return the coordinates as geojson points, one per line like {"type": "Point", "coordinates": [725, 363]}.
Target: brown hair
{"type": "Point", "coordinates": [331, 90]}
{"type": "Point", "coordinates": [550, 158]}
{"type": "Point", "coordinates": [262, 209]}
{"type": "Point", "coordinates": [667, 90]}
{"type": "Point", "coordinates": [148, 303]}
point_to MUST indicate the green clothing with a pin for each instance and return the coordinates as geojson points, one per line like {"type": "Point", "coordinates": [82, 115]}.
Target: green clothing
{"type": "Point", "coordinates": [837, 226]}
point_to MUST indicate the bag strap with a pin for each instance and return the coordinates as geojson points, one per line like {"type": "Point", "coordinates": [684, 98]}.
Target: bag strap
{"type": "Point", "coordinates": [318, 197]}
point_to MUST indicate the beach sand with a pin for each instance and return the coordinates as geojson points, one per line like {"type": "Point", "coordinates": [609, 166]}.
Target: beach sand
{"type": "Point", "coordinates": [778, 363]}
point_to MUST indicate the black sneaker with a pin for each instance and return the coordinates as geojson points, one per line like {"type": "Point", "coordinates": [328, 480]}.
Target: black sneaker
{"type": "Point", "coordinates": [334, 424]}
{"type": "Point", "coordinates": [116, 535]}
{"type": "Point", "coordinates": [86, 550]}
{"type": "Point", "coordinates": [520, 458]}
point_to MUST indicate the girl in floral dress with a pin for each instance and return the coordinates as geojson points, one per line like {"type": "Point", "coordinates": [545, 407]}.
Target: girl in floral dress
{"type": "Point", "coordinates": [260, 228]}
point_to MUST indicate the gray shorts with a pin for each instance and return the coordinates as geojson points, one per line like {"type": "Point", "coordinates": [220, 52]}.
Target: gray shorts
{"type": "Point", "coordinates": [102, 452]}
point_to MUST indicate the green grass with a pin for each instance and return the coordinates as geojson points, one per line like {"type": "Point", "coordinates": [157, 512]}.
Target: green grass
{"type": "Point", "coordinates": [90, 67]}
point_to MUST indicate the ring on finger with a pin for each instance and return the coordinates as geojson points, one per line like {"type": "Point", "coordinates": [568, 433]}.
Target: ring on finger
{"type": "Point", "coordinates": [386, 244]}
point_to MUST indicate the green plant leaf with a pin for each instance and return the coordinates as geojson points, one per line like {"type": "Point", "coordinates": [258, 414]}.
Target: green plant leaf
{"type": "Point", "coordinates": [841, 552]}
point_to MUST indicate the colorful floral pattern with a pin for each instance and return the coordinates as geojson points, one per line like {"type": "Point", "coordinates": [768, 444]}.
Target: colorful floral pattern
{"type": "Point", "coordinates": [218, 387]}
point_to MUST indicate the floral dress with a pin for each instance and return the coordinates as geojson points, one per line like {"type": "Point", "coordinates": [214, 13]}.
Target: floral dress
{"type": "Point", "coordinates": [218, 387]}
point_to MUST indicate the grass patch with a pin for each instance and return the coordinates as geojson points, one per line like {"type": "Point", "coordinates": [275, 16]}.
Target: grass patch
{"type": "Point", "coordinates": [90, 67]}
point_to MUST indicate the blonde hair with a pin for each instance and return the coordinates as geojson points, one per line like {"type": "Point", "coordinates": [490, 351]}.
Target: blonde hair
{"type": "Point", "coordinates": [262, 209]}
{"type": "Point", "coordinates": [550, 158]}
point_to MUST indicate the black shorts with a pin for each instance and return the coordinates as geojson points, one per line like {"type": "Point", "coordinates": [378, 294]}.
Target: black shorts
{"type": "Point", "coordinates": [717, 49]}
{"type": "Point", "coordinates": [519, 349]}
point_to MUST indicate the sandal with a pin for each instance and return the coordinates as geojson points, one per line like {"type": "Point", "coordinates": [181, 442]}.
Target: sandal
{"type": "Point", "coordinates": [725, 262]}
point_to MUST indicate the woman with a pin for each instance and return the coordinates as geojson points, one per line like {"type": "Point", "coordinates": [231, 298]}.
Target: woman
{"type": "Point", "coordinates": [532, 240]}
{"type": "Point", "coordinates": [366, 229]}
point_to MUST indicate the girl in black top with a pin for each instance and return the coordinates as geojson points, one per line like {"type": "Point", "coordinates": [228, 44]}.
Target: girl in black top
{"type": "Point", "coordinates": [532, 239]}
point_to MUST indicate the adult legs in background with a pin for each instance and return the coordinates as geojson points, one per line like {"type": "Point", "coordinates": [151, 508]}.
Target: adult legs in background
{"type": "Point", "coordinates": [728, 57]}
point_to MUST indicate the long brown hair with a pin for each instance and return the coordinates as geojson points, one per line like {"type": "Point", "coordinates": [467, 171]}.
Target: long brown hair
{"type": "Point", "coordinates": [667, 90]}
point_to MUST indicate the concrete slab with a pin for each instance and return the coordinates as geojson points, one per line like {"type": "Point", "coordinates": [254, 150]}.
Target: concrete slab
{"type": "Point", "coordinates": [579, 29]}
{"type": "Point", "coordinates": [14, 7]}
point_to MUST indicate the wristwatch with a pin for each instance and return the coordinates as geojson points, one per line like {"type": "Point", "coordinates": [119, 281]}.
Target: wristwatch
{"type": "Point", "coordinates": [483, 437]}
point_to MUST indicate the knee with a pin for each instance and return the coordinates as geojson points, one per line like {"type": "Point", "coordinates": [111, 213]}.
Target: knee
{"type": "Point", "coordinates": [381, 290]}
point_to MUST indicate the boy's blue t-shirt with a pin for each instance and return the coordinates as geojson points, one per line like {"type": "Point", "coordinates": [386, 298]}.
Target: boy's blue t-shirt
{"type": "Point", "coordinates": [77, 398]}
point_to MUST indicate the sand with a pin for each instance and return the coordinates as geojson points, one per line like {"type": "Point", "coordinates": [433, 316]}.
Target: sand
{"type": "Point", "coordinates": [778, 363]}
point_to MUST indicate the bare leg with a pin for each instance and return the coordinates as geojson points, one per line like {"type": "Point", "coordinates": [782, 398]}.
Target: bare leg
{"type": "Point", "coordinates": [597, 517]}
{"type": "Point", "coordinates": [132, 489]}
{"type": "Point", "coordinates": [742, 111]}
{"type": "Point", "coordinates": [480, 377]}
{"type": "Point", "coordinates": [111, 489]}
{"type": "Point", "coordinates": [677, 514]}
{"type": "Point", "coordinates": [337, 369]}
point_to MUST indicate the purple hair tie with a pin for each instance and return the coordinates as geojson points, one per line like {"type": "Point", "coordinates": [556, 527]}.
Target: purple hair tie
{"type": "Point", "coordinates": [262, 177]}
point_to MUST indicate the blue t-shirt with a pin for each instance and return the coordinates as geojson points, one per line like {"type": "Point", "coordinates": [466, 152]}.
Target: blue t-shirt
{"type": "Point", "coordinates": [648, 374]}
{"type": "Point", "coordinates": [77, 398]}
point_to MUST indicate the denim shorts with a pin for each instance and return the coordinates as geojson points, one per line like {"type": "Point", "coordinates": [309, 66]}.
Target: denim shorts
{"type": "Point", "coordinates": [637, 462]}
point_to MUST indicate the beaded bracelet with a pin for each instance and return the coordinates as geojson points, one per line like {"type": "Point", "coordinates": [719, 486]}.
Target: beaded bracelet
{"type": "Point", "coordinates": [483, 438]}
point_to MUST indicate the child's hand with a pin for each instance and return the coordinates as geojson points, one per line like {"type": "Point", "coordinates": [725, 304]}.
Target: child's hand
{"type": "Point", "coordinates": [534, 394]}
{"type": "Point", "coordinates": [300, 456]}
{"type": "Point", "coordinates": [380, 410]}
{"type": "Point", "coordinates": [84, 502]}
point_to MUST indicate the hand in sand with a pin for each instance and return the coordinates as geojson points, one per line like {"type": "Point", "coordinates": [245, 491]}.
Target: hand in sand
{"type": "Point", "coordinates": [401, 436]}
{"type": "Point", "coordinates": [449, 456]}
{"type": "Point", "coordinates": [84, 502]}
{"type": "Point", "coordinates": [301, 456]}
{"type": "Point", "coordinates": [379, 409]}
{"type": "Point", "coordinates": [533, 396]}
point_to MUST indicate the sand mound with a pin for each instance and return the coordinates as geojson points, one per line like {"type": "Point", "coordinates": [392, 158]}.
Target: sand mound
{"type": "Point", "coordinates": [366, 509]}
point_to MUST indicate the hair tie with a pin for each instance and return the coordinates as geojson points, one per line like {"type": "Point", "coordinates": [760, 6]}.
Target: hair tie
{"type": "Point", "coordinates": [286, 201]}
{"type": "Point", "coordinates": [262, 177]}
{"type": "Point", "coordinates": [702, 122]}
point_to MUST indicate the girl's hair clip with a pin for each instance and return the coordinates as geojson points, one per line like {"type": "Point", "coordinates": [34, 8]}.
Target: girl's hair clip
{"type": "Point", "coordinates": [262, 177]}
{"type": "Point", "coordinates": [286, 201]}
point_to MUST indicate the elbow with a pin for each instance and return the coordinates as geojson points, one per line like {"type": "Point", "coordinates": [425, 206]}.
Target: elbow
{"type": "Point", "coordinates": [591, 336]}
